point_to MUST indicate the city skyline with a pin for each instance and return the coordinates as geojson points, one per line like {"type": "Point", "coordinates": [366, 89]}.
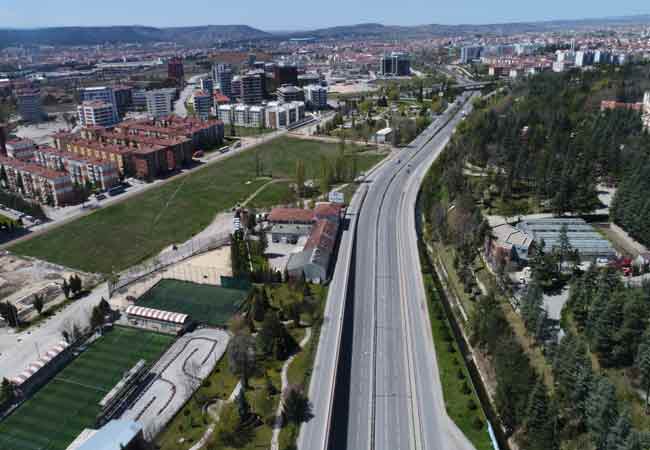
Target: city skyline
{"type": "Point", "coordinates": [294, 17]}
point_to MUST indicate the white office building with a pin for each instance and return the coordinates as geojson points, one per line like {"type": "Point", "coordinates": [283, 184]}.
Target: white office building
{"type": "Point", "coordinates": [160, 102]}
{"type": "Point", "coordinates": [104, 94]}
{"type": "Point", "coordinates": [284, 115]}
{"type": "Point", "coordinates": [96, 113]}
{"type": "Point", "coordinates": [316, 96]}
{"type": "Point", "coordinates": [241, 115]}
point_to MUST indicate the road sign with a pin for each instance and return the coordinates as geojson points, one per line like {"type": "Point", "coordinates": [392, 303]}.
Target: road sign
{"type": "Point", "coordinates": [336, 197]}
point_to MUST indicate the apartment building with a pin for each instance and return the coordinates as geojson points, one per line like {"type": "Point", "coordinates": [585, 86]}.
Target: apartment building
{"type": "Point", "coordinates": [316, 97]}
{"type": "Point", "coordinates": [289, 93]}
{"type": "Point", "coordinates": [29, 105]}
{"type": "Point", "coordinates": [97, 113]}
{"type": "Point", "coordinates": [145, 148]}
{"type": "Point", "coordinates": [119, 155]}
{"type": "Point", "coordinates": [252, 88]}
{"type": "Point", "coordinates": [396, 64]}
{"type": "Point", "coordinates": [82, 170]}
{"type": "Point", "coordinates": [160, 102]}
{"type": "Point", "coordinates": [222, 77]}
{"type": "Point", "coordinates": [20, 148]}
{"type": "Point", "coordinates": [203, 103]}
{"type": "Point", "coordinates": [103, 94]}
{"type": "Point", "coordinates": [308, 79]}
{"type": "Point", "coordinates": [284, 115]}
{"type": "Point", "coordinates": [285, 74]}
{"type": "Point", "coordinates": [226, 114]}
{"type": "Point", "coordinates": [206, 85]}
{"type": "Point", "coordinates": [175, 70]}
{"type": "Point", "coordinates": [123, 98]}
{"type": "Point", "coordinates": [470, 53]}
{"type": "Point", "coordinates": [646, 110]}
{"type": "Point", "coordinates": [51, 187]}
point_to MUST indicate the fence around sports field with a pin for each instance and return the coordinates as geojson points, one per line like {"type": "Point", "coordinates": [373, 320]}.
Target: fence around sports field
{"type": "Point", "coordinates": [208, 304]}
{"type": "Point", "coordinates": [167, 258]}
{"type": "Point", "coordinates": [60, 410]}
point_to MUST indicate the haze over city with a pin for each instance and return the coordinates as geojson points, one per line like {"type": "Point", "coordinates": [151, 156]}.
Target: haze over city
{"type": "Point", "coordinates": [295, 15]}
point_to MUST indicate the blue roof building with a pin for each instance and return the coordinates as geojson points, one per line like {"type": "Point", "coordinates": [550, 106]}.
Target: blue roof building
{"type": "Point", "coordinates": [117, 434]}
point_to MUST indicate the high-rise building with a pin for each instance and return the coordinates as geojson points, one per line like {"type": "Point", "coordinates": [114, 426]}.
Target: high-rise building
{"type": "Point", "coordinates": [395, 65]}
{"type": "Point", "coordinates": [203, 102]}
{"type": "Point", "coordinates": [235, 88]}
{"type": "Point", "coordinates": [123, 98]}
{"type": "Point", "coordinates": [646, 110]}
{"type": "Point", "coordinates": [96, 113]}
{"type": "Point", "coordinates": [470, 53]}
{"type": "Point", "coordinates": [285, 74]}
{"type": "Point", "coordinates": [316, 97]}
{"type": "Point", "coordinates": [252, 88]}
{"type": "Point", "coordinates": [175, 70]}
{"type": "Point", "coordinates": [103, 94]}
{"type": "Point", "coordinates": [206, 85]}
{"type": "Point", "coordinates": [222, 77]}
{"type": "Point", "coordinates": [160, 102]}
{"type": "Point", "coordinates": [29, 105]}
{"type": "Point", "coordinates": [584, 58]}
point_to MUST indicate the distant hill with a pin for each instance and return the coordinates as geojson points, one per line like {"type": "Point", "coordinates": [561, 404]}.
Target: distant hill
{"type": "Point", "coordinates": [67, 36]}
{"type": "Point", "coordinates": [376, 30]}
{"type": "Point", "coordinates": [208, 34]}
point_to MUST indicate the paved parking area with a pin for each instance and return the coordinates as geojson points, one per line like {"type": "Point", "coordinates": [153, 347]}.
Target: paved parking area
{"type": "Point", "coordinates": [178, 374]}
{"type": "Point", "coordinates": [279, 253]}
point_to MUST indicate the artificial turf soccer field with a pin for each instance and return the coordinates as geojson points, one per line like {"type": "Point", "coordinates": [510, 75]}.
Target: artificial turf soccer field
{"type": "Point", "coordinates": [60, 410]}
{"type": "Point", "coordinates": [214, 305]}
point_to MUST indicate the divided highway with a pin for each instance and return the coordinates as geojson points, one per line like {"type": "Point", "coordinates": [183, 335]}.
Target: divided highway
{"type": "Point", "coordinates": [387, 394]}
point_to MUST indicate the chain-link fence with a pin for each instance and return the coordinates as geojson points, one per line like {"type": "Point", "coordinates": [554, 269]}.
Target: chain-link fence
{"type": "Point", "coordinates": [167, 258]}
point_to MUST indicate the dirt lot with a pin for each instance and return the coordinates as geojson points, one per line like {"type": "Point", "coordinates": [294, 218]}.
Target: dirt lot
{"type": "Point", "coordinates": [21, 278]}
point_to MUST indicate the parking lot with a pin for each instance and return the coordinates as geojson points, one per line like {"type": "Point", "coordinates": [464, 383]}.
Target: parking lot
{"type": "Point", "coordinates": [279, 252]}
{"type": "Point", "coordinates": [178, 374]}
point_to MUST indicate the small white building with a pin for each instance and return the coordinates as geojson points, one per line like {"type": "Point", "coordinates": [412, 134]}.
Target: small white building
{"type": "Point", "coordinates": [157, 320]}
{"type": "Point", "coordinates": [97, 113]}
{"type": "Point", "coordinates": [383, 136]}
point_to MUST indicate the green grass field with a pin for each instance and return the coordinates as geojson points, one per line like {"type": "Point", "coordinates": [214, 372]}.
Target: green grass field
{"type": "Point", "coordinates": [213, 305]}
{"type": "Point", "coordinates": [121, 235]}
{"type": "Point", "coordinates": [274, 194]}
{"type": "Point", "coordinates": [56, 414]}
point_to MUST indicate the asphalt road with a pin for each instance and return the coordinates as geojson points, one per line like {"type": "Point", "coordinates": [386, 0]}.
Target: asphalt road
{"type": "Point", "coordinates": [388, 395]}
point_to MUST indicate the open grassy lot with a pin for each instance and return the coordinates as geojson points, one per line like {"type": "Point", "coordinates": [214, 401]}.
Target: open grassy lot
{"type": "Point", "coordinates": [125, 234]}
{"type": "Point", "coordinates": [213, 305]}
{"type": "Point", "coordinates": [461, 401]}
{"type": "Point", "coordinates": [53, 418]}
{"type": "Point", "coordinates": [274, 194]}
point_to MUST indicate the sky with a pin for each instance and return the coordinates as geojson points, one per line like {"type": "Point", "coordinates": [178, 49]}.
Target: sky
{"type": "Point", "coordinates": [274, 15]}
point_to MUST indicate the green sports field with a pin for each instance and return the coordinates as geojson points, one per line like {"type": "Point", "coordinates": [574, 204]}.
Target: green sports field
{"type": "Point", "coordinates": [59, 411]}
{"type": "Point", "coordinates": [204, 303]}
